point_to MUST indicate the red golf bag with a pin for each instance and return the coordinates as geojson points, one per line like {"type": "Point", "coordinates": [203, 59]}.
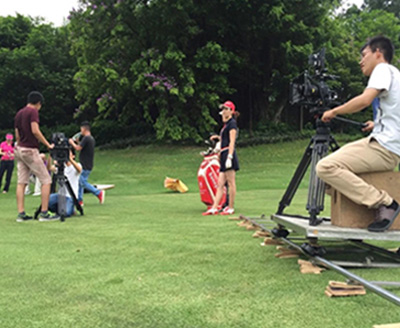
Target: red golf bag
{"type": "Point", "coordinates": [207, 177]}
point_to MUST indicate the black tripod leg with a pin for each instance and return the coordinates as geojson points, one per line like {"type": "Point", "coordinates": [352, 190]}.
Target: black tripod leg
{"type": "Point", "coordinates": [62, 198]}
{"type": "Point", "coordinates": [333, 144]}
{"type": "Point", "coordinates": [37, 212]}
{"type": "Point", "coordinates": [53, 184]}
{"type": "Point", "coordinates": [71, 192]}
{"type": "Point", "coordinates": [316, 193]}
{"type": "Point", "coordinates": [296, 179]}
{"type": "Point", "coordinates": [316, 188]}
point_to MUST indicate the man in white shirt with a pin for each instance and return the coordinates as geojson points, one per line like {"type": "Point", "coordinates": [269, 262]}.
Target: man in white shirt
{"type": "Point", "coordinates": [380, 151]}
{"type": "Point", "coordinates": [72, 172]}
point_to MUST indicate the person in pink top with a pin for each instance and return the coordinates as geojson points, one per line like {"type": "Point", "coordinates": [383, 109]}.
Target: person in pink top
{"type": "Point", "coordinates": [7, 161]}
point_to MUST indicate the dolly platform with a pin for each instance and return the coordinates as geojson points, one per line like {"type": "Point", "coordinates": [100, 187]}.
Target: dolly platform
{"type": "Point", "coordinates": [285, 225]}
{"type": "Point", "coordinates": [327, 231]}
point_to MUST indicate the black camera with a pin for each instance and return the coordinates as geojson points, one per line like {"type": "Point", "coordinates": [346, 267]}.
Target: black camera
{"type": "Point", "coordinates": [60, 152]}
{"type": "Point", "coordinates": [311, 90]}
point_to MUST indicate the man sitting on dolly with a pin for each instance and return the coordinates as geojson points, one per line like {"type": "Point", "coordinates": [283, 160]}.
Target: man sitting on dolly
{"type": "Point", "coordinates": [378, 152]}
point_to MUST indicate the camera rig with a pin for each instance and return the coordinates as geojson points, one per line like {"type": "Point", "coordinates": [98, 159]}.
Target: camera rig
{"type": "Point", "coordinates": [60, 154]}
{"type": "Point", "coordinates": [314, 94]}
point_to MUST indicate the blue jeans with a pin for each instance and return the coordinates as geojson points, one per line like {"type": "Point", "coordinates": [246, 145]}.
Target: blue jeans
{"type": "Point", "coordinates": [84, 184]}
{"type": "Point", "coordinates": [53, 204]}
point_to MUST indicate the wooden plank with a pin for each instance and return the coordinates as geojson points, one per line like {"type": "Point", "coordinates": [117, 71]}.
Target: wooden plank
{"type": "Point", "coordinates": [335, 292]}
{"type": "Point", "coordinates": [261, 234]}
{"type": "Point", "coordinates": [342, 285]}
{"type": "Point", "coordinates": [271, 241]}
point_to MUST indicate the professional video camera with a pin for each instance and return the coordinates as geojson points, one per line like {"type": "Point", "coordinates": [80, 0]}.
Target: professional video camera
{"type": "Point", "coordinates": [60, 152]}
{"type": "Point", "coordinates": [311, 90]}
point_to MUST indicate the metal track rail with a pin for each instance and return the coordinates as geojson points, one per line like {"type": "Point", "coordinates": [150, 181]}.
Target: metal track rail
{"type": "Point", "coordinates": [320, 260]}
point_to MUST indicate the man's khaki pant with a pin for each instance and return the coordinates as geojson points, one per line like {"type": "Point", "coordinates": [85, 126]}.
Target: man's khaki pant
{"type": "Point", "coordinates": [339, 170]}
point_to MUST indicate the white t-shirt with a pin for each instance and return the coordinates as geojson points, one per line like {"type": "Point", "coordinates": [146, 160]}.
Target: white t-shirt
{"type": "Point", "coordinates": [386, 78]}
{"type": "Point", "coordinates": [73, 177]}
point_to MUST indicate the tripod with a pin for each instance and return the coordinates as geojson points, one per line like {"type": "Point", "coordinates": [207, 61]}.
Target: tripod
{"type": "Point", "coordinates": [316, 150]}
{"type": "Point", "coordinates": [63, 183]}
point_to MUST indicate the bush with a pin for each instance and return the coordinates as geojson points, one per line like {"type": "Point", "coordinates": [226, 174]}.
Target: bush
{"type": "Point", "coordinates": [69, 130]}
{"type": "Point", "coordinates": [105, 132]}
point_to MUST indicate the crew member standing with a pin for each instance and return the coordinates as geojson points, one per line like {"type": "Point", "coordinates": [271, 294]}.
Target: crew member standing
{"type": "Point", "coordinates": [7, 161]}
{"type": "Point", "coordinates": [86, 158]}
{"type": "Point", "coordinates": [28, 135]}
{"type": "Point", "coordinates": [229, 162]}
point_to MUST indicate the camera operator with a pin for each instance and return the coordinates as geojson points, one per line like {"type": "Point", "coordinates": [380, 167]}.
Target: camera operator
{"type": "Point", "coordinates": [72, 172]}
{"type": "Point", "coordinates": [86, 157]}
{"type": "Point", "coordinates": [378, 152]}
{"type": "Point", "coordinates": [28, 135]}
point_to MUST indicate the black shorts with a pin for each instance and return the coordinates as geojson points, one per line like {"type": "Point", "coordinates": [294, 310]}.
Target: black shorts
{"type": "Point", "coordinates": [235, 161]}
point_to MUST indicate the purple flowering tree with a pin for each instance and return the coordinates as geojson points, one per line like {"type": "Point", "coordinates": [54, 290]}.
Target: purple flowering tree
{"type": "Point", "coordinates": [132, 70]}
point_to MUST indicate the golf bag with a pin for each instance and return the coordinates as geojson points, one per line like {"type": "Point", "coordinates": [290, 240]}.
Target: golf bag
{"type": "Point", "coordinates": [207, 177]}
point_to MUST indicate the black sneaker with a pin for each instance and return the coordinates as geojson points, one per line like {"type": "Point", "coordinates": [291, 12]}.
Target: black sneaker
{"type": "Point", "coordinates": [384, 218]}
{"type": "Point", "coordinates": [22, 217]}
{"type": "Point", "coordinates": [48, 217]}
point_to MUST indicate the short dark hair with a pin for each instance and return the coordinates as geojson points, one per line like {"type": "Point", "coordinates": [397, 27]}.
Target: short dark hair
{"type": "Point", "coordinates": [35, 97]}
{"type": "Point", "coordinates": [363, 47]}
{"type": "Point", "coordinates": [86, 125]}
{"type": "Point", "coordinates": [384, 45]}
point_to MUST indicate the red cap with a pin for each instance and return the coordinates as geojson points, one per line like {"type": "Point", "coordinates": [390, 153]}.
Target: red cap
{"type": "Point", "coordinates": [228, 104]}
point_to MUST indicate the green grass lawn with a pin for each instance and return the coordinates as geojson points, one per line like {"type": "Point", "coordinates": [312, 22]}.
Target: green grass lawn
{"type": "Point", "coordinates": [148, 258]}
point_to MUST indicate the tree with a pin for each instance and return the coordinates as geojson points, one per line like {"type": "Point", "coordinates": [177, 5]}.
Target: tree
{"type": "Point", "coordinates": [170, 63]}
{"type": "Point", "coordinates": [356, 27]}
{"type": "Point", "coordinates": [141, 65]}
{"type": "Point", "coordinates": [392, 6]}
{"type": "Point", "coordinates": [35, 56]}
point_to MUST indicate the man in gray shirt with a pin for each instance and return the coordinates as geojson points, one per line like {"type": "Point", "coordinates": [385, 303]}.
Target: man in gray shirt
{"type": "Point", "coordinates": [378, 152]}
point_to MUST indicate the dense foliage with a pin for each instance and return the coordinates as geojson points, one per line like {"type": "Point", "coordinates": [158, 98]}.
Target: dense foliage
{"type": "Point", "coordinates": [392, 6]}
{"type": "Point", "coordinates": [35, 56]}
{"type": "Point", "coordinates": [171, 62]}
{"type": "Point", "coordinates": [162, 67]}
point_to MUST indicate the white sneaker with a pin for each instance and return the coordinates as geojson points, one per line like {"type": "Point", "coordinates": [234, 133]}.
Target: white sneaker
{"type": "Point", "coordinates": [210, 211]}
{"type": "Point", "coordinates": [227, 211]}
